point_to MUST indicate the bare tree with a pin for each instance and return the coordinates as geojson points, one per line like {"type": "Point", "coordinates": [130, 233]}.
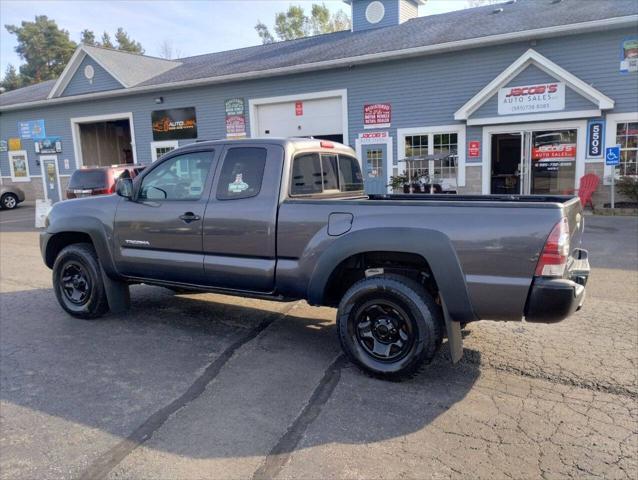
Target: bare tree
{"type": "Point", "coordinates": [168, 51]}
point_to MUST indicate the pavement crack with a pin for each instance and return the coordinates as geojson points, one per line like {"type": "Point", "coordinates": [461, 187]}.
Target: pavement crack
{"type": "Point", "coordinates": [614, 389]}
{"type": "Point", "coordinates": [281, 452]}
{"type": "Point", "coordinates": [106, 462]}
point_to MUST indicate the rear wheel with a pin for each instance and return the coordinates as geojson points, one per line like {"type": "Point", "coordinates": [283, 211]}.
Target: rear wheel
{"type": "Point", "coordinates": [77, 282]}
{"type": "Point", "coordinates": [9, 201]}
{"type": "Point", "coordinates": [389, 326]}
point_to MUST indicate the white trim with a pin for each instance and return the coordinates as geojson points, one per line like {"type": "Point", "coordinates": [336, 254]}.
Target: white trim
{"type": "Point", "coordinates": [532, 57]}
{"type": "Point", "coordinates": [486, 147]}
{"type": "Point", "coordinates": [162, 144]}
{"type": "Point", "coordinates": [255, 102]}
{"type": "Point", "coordinates": [75, 132]}
{"type": "Point", "coordinates": [457, 128]}
{"type": "Point", "coordinates": [23, 153]}
{"type": "Point", "coordinates": [389, 144]}
{"type": "Point", "coordinates": [67, 74]}
{"type": "Point", "coordinates": [57, 175]}
{"type": "Point", "coordinates": [612, 120]}
{"type": "Point", "coordinates": [535, 117]}
{"type": "Point", "coordinates": [595, 25]}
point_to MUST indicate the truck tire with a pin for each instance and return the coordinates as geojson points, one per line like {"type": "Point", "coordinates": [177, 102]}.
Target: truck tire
{"type": "Point", "coordinates": [389, 326]}
{"type": "Point", "coordinates": [77, 282]}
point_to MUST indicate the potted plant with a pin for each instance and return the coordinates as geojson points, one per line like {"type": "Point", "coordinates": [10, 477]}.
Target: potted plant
{"type": "Point", "coordinates": [399, 183]}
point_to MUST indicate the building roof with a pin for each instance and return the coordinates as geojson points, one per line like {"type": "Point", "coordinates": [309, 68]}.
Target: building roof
{"type": "Point", "coordinates": [130, 68]}
{"type": "Point", "coordinates": [458, 29]}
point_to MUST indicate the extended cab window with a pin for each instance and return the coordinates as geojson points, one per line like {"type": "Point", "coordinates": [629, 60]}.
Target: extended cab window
{"type": "Point", "coordinates": [242, 173]}
{"type": "Point", "coordinates": [314, 173]}
{"type": "Point", "coordinates": [179, 178]}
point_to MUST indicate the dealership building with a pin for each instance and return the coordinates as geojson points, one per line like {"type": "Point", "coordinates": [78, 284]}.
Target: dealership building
{"type": "Point", "coordinates": [518, 97]}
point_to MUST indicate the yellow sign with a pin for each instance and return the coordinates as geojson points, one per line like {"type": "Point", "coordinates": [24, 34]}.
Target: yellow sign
{"type": "Point", "coordinates": [15, 144]}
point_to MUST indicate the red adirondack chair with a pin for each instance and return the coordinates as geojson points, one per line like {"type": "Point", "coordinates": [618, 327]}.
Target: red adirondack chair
{"type": "Point", "coordinates": [588, 185]}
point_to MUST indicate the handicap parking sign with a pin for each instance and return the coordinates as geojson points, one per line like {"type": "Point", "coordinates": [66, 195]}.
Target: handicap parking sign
{"type": "Point", "coordinates": [612, 155]}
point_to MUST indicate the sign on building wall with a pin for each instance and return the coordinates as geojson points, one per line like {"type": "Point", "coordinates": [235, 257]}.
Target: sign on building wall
{"type": "Point", "coordinates": [541, 98]}
{"type": "Point", "coordinates": [174, 124]}
{"type": "Point", "coordinates": [3, 146]}
{"type": "Point", "coordinates": [371, 138]}
{"type": "Point", "coordinates": [629, 56]}
{"type": "Point", "coordinates": [377, 115]}
{"type": "Point", "coordinates": [474, 149]}
{"type": "Point", "coordinates": [32, 129]}
{"type": "Point", "coordinates": [595, 138]}
{"type": "Point", "coordinates": [235, 117]}
{"type": "Point", "coordinates": [15, 144]}
{"type": "Point", "coordinates": [48, 145]}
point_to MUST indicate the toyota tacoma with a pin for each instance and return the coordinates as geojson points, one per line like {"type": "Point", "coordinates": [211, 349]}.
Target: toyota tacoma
{"type": "Point", "coordinates": [288, 219]}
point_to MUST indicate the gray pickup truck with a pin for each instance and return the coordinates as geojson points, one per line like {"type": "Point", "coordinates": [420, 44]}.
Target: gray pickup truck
{"type": "Point", "coordinates": [287, 219]}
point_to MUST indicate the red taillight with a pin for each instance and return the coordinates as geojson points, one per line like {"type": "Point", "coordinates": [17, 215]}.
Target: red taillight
{"type": "Point", "coordinates": [555, 252]}
{"type": "Point", "coordinates": [325, 144]}
{"type": "Point", "coordinates": [101, 191]}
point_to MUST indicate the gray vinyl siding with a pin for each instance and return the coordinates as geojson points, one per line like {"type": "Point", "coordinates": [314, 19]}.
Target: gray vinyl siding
{"type": "Point", "coordinates": [359, 21]}
{"type": "Point", "coordinates": [102, 80]}
{"type": "Point", "coordinates": [423, 91]}
{"type": "Point", "coordinates": [407, 10]}
{"type": "Point", "coordinates": [473, 134]}
{"type": "Point", "coordinates": [533, 75]}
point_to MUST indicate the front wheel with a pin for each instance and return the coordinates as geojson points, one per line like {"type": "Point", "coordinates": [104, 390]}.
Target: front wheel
{"type": "Point", "coordinates": [9, 201]}
{"type": "Point", "coordinates": [77, 282]}
{"type": "Point", "coordinates": [389, 326]}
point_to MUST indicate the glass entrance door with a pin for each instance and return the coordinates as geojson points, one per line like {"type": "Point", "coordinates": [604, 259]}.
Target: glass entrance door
{"type": "Point", "coordinates": [537, 162]}
{"type": "Point", "coordinates": [553, 161]}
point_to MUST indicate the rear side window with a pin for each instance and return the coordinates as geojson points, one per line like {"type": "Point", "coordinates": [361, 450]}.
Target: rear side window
{"type": "Point", "coordinates": [242, 173]}
{"type": "Point", "coordinates": [88, 179]}
{"type": "Point", "coordinates": [350, 178]}
{"type": "Point", "coordinates": [314, 173]}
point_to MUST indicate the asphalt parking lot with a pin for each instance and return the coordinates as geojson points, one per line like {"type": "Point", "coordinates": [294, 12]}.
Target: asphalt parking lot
{"type": "Point", "coordinates": [208, 386]}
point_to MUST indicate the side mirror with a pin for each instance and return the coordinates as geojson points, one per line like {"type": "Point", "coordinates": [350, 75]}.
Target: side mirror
{"type": "Point", "coordinates": [124, 187]}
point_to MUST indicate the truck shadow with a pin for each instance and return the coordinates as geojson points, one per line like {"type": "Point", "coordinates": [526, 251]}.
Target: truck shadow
{"type": "Point", "coordinates": [114, 374]}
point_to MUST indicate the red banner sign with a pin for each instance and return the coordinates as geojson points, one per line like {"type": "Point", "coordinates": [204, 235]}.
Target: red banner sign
{"type": "Point", "coordinates": [554, 151]}
{"type": "Point", "coordinates": [377, 115]}
{"type": "Point", "coordinates": [474, 149]}
{"type": "Point", "coordinates": [299, 109]}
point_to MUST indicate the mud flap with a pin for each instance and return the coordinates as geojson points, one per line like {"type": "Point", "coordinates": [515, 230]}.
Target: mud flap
{"type": "Point", "coordinates": [454, 336]}
{"type": "Point", "coordinates": [118, 294]}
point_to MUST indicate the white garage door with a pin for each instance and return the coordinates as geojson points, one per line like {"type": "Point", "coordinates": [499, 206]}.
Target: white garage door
{"type": "Point", "coordinates": [308, 118]}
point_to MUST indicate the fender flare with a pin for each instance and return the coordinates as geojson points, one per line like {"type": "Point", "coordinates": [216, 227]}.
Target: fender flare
{"type": "Point", "coordinates": [434, 246]}
{"type": "Point", "coordinates": [100, 236]}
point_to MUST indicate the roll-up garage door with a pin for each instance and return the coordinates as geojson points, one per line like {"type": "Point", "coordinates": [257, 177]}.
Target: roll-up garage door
{"type": "Point", "coordinates": [319, 118]}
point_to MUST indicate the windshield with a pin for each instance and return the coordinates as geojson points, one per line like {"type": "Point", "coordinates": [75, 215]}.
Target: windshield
{"type": "Point", "coordinates": [88, 179]}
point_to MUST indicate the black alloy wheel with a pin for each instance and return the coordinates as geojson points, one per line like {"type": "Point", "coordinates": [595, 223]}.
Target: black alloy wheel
{"type": "Point", "coordinates": [76, 284]}
{"type": "Point", "coordinates": [384, 330]}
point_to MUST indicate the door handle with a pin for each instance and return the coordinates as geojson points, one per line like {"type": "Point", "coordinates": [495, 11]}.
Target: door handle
{"type": "Point", "coordinates": [189, 217]}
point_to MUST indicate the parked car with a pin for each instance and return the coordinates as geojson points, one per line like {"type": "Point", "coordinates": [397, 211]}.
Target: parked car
{"type": "Point", "coordinates": [86, 182]}
{"type": "Point", "coordinates": [10, 196]}
{"type": "Point", "coordinates": [288, 219]}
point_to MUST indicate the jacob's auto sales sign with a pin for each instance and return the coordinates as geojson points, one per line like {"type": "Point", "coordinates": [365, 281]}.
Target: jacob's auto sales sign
{"type": "Point", "coordinates": [559, 151]}
{"type": "Point", "coordinates": [544, 97]}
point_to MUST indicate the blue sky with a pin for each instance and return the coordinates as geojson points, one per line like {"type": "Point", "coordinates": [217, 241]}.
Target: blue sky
{"type": "Point", "coordinates": [192, 27]}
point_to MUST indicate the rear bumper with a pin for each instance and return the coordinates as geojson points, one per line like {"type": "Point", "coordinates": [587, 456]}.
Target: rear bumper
{"type": "Point", "coordinates": [554, 299]}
